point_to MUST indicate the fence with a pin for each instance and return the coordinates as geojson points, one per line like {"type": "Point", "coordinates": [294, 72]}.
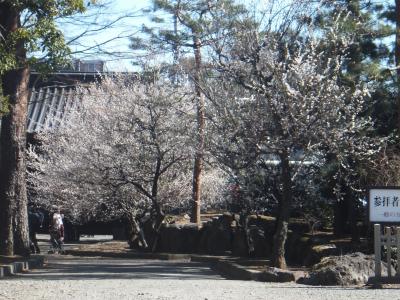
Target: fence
{"type": "Point", "coordinates": [389, 239]}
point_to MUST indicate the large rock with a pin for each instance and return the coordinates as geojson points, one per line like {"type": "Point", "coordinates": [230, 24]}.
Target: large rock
{"type": "Point", "coordinates": [350, 269]}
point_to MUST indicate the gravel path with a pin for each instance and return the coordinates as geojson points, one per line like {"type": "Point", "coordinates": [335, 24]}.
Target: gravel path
{"type": "Point", "coordinates": [68, 277]}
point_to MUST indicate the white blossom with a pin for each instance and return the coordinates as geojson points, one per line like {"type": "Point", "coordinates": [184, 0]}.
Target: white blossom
{"type": "Point", "coordinates": [124, 148]}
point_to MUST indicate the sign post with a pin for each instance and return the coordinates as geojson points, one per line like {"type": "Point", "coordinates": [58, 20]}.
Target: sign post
{"type": "Point", "coordinates": [377, 250]}
{"type": "Point", "coordinates": [384, 208]}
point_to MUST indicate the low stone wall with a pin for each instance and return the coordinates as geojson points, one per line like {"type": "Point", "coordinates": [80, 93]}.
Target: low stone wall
{"type": "Point", "coordinates": [12, 268]}
{"type": "Point", "coordinates": [224, 236]}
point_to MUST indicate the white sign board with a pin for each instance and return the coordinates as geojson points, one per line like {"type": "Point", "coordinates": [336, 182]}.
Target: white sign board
{"type": "Point", "coordinates": [384, 205]}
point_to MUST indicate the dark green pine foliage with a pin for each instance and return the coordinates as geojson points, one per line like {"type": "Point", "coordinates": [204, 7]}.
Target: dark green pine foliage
{"type": "Point", "coordinates": [195, 25]}
{"type": "Point", "coordinates": [176, 23]}
{"type": "Point", "coordinates": [369, 60]}
{"type": "Point", "coordinates": [370, 57]}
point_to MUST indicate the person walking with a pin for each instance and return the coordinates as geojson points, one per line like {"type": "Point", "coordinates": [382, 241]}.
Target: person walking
{"type": "Point", "coordinates": [57, 232]}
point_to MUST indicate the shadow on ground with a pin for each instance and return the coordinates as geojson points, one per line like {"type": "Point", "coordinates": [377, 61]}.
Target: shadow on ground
{"type": "Point", "coordinates": [72, 268]}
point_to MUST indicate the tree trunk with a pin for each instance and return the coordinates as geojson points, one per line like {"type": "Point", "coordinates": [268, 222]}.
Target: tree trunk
{"type": "Point", "coordinates": [159, 214]}
{"type": "Point", "coordinates": [136, 237]}
{"type": "Point", "coordinates": [352, 216]}
{"type": "Point", "coordinates": [340, 218]}
{"type": "Point", "coordinates": [278, 251]}
{"type": "Point", "coordinates": [198, 160]}
{"type": "Point", "coordinates": [6, 227]}
{"type": "Point", "coordinates": [13, 196]}
{"type": "Point", "coordinates": [13, 163]}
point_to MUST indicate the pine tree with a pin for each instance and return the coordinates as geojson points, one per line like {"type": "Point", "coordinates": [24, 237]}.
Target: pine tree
{"type": "Point", "coordinates": [195, 24]}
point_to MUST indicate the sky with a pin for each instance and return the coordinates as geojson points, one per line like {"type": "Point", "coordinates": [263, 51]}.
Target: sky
{"type": "Point", "coordinates": [113, 40]}
{"type": "Point", "coordinates": [121, 56]}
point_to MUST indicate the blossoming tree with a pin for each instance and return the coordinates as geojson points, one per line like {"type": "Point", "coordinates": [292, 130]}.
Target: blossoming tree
{"type": "Point", "coordinates": [279, 107]}
{"type": "Point", "coordinates": [120, 150]}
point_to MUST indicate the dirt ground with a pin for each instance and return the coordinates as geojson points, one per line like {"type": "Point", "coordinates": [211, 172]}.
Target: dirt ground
{"type": "Point", "coordinates": [109, 246]}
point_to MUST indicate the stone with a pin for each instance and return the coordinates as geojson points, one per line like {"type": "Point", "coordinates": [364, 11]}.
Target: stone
{"type": "Point", "coordinates": [216, 236]}
{"type": "Point", "coordinates": [171, 239]}
{"type": "Point", "coordinates": [190, 234]}
{"type": "Point", "coordinates": [19, 266]}
{"type": "Point", "coordinates": [239, 244]}
{"type": "Point", "coordinates": [266, 223]}
{"type": "Point", "coordinates": [345, 270]}
{"type": "Point", "coordinates": [260, 245]}
{"type": "Point", "coordinates": [297, 248]}
{"type": "Point", "coordinates": [8, 270]}
{"type": "Point", "coordinates": [299, 226]}
{"type": "Point", "coordinates": [272, 274]}
{"type": "Point", "coordinates": [317, 252]}
{"type": "Point", "coordinates": [234, 271]}
{"type": "Point", "coordinates": [218, 241]}
{"type": "Point", "coordinates": [178, 238]}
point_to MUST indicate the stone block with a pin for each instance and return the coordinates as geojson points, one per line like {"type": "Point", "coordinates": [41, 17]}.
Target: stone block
{"type": "Point", "coordinates": [8, 270]}
{"type": "Point", "coordinates": [18, 267]}
{"type": "Point", "coordinates": [276, 275]}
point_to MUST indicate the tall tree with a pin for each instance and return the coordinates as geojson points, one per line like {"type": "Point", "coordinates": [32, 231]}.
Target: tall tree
{"type": "Point", "coordinates": [397, 57]}
{"type": "Point", "coordinates": [197, 22]}
{"type": "Point", "coordinates": [366, 60]}
{"type": "Point", "coordinates": [297, 109]}
{"type": "Point", "coordinates": [25, 27]}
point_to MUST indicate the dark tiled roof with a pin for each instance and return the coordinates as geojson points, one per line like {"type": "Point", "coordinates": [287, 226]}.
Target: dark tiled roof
{"type": "Point", "coordinates": [49, 99]}
{"type": "Point", "coordinates": [47, 107]}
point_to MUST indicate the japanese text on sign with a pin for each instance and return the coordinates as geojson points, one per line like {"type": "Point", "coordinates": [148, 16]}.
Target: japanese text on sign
{"type": "Point", "coordinates": [384, 205]}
